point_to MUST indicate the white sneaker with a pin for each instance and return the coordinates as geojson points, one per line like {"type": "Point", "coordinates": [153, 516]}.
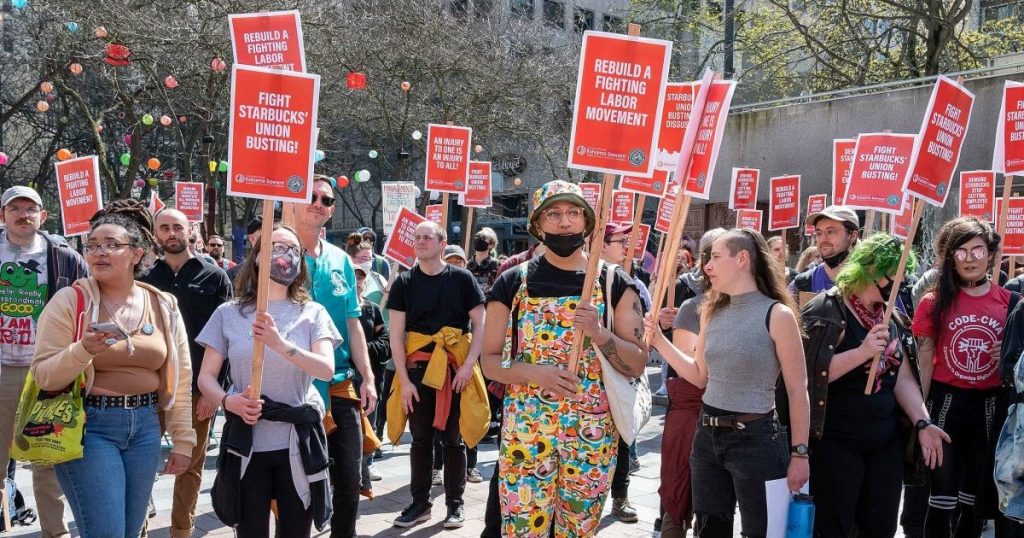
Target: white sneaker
{"type": "Point", "coordinates": [374, 475]}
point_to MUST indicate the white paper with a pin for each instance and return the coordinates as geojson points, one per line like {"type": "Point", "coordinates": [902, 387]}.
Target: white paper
{"type": "Point", "coordinates": [778, 497]}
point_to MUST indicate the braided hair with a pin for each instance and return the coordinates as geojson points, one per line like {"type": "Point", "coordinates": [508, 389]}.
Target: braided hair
{"type": "Point", "coordinates": [134, 217]}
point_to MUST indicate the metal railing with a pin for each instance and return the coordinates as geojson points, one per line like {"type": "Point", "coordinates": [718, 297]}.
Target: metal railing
{"type": "Point", "coordinates": [990, 70]}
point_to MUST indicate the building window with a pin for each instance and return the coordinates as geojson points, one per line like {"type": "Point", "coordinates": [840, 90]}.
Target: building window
{"type": "Point", "coordinates": [584, 19]}
{"type": "Point", "coordinates": [554, 13]}
{"type": "Point", "coordinates": [522, 8]}
{"type": "Point", "coordinates": [612, 23]}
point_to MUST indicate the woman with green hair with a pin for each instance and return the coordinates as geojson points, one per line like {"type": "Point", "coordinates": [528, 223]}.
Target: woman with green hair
{"type": "Point", "coordinates": [857, 443]}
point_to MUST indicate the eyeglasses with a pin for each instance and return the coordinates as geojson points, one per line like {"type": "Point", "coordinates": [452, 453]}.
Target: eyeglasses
{"type": "Point", "coordinates": [622, 241]}
{"type": "Point", "coordinates": [284, 248]}
{"type": "Point", "coordinates": [554, 216]}
{"type": "Point", "coordinates": [977, 253]}
{"type": "Point", "coordinates": [214, 245]}
{"type": "Point", "coordinates": [829, 233]}
{"type": "Point", "coordinates": [327, 201]}
{"type": "Point", "coordinates": [106, 248]}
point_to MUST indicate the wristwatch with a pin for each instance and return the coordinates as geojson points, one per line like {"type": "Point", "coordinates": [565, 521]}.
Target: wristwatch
{"type": "Point", "coordinates": [922, 424]}
{"type": "Point", "coordinates": [799, 450]}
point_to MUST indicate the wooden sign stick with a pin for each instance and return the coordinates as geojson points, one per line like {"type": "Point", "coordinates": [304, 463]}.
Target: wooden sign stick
{"type": "Point", "coordinates": [638, 211]}
{"type": "Point", "coordinates": [444, 201]}
{"type": "Point", "coordinates": [897, 279]}
{"type": "Point", "coordinates": [869, 222]}
{"type": "Point", "coordinates": [593, 264]}
{"type": "Point", "coordinates": [468, 231]}
{"type": "Point", "coordinates": [262, 294]}
{"type": "Point", "coordinates": [1001, 229]}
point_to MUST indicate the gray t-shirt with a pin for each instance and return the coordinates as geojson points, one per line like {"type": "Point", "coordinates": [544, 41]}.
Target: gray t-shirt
{"type": "Point", "coordinates": [23, 289]}
{"type": "Point", "coordinates": [688, 317]}
{"type": "Point", "coordinates": [229, 331]}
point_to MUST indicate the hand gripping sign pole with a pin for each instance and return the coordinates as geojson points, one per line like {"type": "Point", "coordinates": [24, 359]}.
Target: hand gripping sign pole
{"type": "Point", "coordinates": [897, 280]}
{"type": "Point", "coordinates": [593, 261]}
{"type": "Point", "coordinates": [262, 293]}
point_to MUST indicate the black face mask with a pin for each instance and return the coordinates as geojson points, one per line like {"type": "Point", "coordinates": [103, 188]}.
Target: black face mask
{"type": "Point", "coordinates": [885, 290]}
{"type": "Point", "coordinates": [480, 245]}
{"type": "Point", "coordinates": [836, 259]}
{"type": "Point", "coordinates": [563, 245]}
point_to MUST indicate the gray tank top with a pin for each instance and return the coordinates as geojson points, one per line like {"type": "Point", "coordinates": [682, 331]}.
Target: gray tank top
{"type": "Point", "coordinates": [740, 353]}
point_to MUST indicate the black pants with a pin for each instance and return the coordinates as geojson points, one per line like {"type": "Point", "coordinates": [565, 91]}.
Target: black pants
{"type": "Point", "coordinates": [345, 446]}
{"type": "Point", "coordinates": [620, 480]}
{"type": "Point", "coordinates": [382, 418]}
{"type": "Point", "coordinates": [439, 454]}
{"type": "Point", "coordinates": [856, 483]}
{"type": "Point", "coordinates": [915, 509]}
{"type": "Point", "coordinates": [421, 453]}
{"type": "Point", "coordinates": [966, 415]}
{"type": "Point", "coordinates": [267, 477]}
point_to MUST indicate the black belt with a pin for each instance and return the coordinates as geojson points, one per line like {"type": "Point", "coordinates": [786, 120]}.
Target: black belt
{"type": "Point", "coordinates": [733, 422]}
{"type": "Point", "coordinates": [130, 401]}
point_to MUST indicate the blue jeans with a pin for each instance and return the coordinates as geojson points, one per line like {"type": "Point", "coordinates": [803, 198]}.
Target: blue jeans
{"type": "Point", "coordinates": [730, 466]}
{"type": "Point", "coordinates": [108, 489]}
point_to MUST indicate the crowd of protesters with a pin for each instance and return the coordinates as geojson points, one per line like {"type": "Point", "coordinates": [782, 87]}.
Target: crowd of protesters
{"type": "Point", "coordinates": [820, 389]}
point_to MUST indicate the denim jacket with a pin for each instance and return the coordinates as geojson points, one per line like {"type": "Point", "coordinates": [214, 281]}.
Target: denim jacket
{"type": "Point", "coordinates": [1009, 468]}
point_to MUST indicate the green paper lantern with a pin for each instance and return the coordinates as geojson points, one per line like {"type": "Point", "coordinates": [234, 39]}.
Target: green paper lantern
{"type": "Point", "coordinates": [373, 154]}
{"type": "Point", "coordinates": [153, 182]}
{"type": "Point", "coordinates": [216, 184]}
{"type": "Point", "coordinates": [147, 119]}
{"type": "Point", "coordinates": [126, 158]}
{"type": "Point", "coordinates": [223, 166]}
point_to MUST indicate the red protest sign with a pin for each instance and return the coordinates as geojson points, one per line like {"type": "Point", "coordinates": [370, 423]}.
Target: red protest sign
{"type": "Point", "coordinates": [652, 186]}
{"type": "Point", "coordinates": [619, 93]}
{"type": "Point", "coordinates": [188, 198]}
{"type": "Point", "coordinates": [448, 158]}
{"type": "Point", "coordinates": [842, 163]}
{"type": "Point", "coordinates": [899, 224]}
{"type": "Point", "coordinates": [749, 218]}
{"type": "Point", "coordinates": [434, 212]}
{"type": "Point", "coordinates": [591, 193]}
{"type": "Point", "coordinates": [1013, 236]}
{"type": "Point", "coordinates": [666, 206]}
{"type": "Point", "coordinates": [942, 135]}
{"type": "Point", "coordinates": [78, 187]}
{"type": "Point", "coordinates": [710, 130]}
{"type": "Point", "coordinates": [272, 40]}
{"type": "Point", "coordinates": [155, 203]}
{"type": "Point", "coordinates": [272, 136]}
{"type": "Point", "coordinates": [674, 116]}
{"type": "Point", "coordinates": [645, 235]}
{"type": "Point", "coordinates": [815, 203]}
{"type": "Point", "coordinates": [623, 203]}
{"type": "Point", "coordinates": [978, 194]}
{"type": "Point", "coordinates": [400, 245]}
{"type": "Point", "coordinates": [881, 162]}
{"type": "Point", "coordinates": [1008, 157]}
{"type": "Point", "coordinates": [743, 190]}
{"type": "Point", "coordinates": [478, 188]}
{"type": "Point", "coordinates": [784, 206]}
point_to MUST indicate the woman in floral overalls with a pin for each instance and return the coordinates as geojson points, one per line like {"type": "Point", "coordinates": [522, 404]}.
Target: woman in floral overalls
{"type": "Point", "coordinates": [558, 440]}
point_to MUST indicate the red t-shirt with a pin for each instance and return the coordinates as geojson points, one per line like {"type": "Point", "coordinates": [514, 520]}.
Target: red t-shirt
{"type": "Point", "coordinates": [963, 346]}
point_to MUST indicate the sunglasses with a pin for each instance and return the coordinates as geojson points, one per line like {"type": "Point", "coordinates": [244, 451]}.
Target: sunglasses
{"type": "Point", "coordinates": [976, 253]}
{"type": "Point", "coordinates": [327, 201]}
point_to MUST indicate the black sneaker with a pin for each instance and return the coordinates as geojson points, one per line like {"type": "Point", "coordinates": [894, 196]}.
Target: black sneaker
{"type": "Point", "coordinates": [455, 518]}
{"type": "Point", "coordinates": [413, 515]}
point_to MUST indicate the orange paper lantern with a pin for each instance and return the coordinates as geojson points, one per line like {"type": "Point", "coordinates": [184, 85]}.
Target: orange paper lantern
{"type": "Point", "coordinates": [63, 154]}
{"type": "Point", "coordinates": [75, 68]}
{"type": "Point", "coordinates": [153, 163]}
{"type": "Point", "coordinates": [42, 106]}
{"type": "Point", "coordinates": [46, 87]}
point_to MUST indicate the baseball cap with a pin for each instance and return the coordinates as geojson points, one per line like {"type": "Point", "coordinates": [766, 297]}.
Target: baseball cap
{"type": "Point", "coordinates": [454, 250]}
{"type": "Point", "coordinates": [21, 191]}
{"type": "Point", "coordinates": [840, 213]}
{"type": "Point", "coordinates": [613, 228]}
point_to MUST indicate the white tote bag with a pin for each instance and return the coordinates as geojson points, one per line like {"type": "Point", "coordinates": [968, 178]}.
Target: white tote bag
{"type": "Point", "coordinates": [628, 397]}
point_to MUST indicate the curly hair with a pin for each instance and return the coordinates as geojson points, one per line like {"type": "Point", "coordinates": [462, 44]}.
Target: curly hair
{"type": "Point", "coordinates": [354, 244]}
{"type": "Point", "coordinates": [134, 217]}
{"type": "Point", "coordinates": [873, 259]}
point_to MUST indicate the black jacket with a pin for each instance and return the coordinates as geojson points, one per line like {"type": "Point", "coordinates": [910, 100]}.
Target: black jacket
{"type": "Point", "coordinates": [236, 439]}
{"type": "Point", "coordinates": [64, 265]}
{"type": "Point", "coordinates": [824, 324]}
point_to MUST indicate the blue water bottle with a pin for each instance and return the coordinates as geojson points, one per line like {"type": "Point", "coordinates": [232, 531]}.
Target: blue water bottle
{"type": "Point", "coordinates": [800, 523]}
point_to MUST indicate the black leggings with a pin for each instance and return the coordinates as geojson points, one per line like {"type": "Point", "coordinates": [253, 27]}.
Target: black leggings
{"type": "Point", "coordinates": [966, 415]}
{"type": "Point", "coordinates": [267, 477]}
